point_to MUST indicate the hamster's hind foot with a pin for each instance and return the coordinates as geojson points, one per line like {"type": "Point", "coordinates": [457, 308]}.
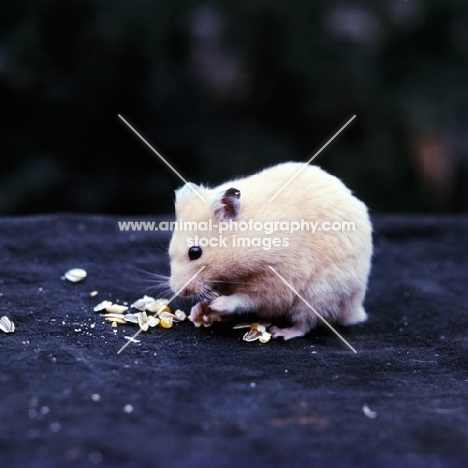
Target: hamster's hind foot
{"type": "Point", "coordinates": [288, 333]}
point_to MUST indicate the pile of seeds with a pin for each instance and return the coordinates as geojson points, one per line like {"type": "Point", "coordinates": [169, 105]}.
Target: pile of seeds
{"type": "Point", "coordinates": [7, 325]}
{"type": "Point", "coordinates": [152, 312]}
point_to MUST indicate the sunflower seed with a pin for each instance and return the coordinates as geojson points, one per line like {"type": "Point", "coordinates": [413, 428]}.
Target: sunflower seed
{"type": "Point", "coordinates": [7, 325]}
{"type": "Point", "coordinates": [116, 308]}
{"type": "Point", "coordinates": [259, 327]}
{"type": "Point", "coordinates": [75, 274]}
{"type": "Point", "coordinates": [252, 335]}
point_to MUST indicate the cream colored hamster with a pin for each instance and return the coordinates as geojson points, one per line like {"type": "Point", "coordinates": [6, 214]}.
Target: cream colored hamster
{"type": "Point", "coordinates": [248, 234]}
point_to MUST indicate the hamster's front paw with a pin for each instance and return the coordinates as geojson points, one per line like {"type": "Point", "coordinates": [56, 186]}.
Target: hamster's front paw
{"type": "Point", "coordinates": [198, 311]}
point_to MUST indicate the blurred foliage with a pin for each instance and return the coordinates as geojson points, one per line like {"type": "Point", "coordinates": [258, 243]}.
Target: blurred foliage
{"type": "Point", "coordinates": [224, 88]}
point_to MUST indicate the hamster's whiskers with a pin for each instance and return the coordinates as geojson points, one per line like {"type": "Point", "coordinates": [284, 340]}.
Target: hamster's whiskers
{"type": "Point", "coordinates": [229, 282]}
{"type": "Point", "coordinates": [156, 281]}
{"type": "Point", "coordinates": [208, 293]}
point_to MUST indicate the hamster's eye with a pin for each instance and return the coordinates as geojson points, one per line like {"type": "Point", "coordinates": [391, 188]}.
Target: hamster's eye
{"type": "Point", "coordinates": [195, 253]}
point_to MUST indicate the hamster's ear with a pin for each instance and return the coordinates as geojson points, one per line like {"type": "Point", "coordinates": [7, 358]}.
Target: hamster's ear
{"type": "Point", "coordinates": [227, 204]}
{"type": "Point", "coordinates": [186, 190]}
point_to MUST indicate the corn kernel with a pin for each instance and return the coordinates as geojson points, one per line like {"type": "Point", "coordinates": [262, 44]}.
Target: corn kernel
{"type": "Point", "coordinates": [166, 322]}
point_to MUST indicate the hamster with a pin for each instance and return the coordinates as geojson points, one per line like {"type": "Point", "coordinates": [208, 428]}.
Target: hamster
{"type": "Point", "coordinates": [249, 234]}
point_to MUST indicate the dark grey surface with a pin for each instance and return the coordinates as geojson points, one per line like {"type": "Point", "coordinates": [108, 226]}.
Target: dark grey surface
{"type": "Point", "coordinates": [204, 397]}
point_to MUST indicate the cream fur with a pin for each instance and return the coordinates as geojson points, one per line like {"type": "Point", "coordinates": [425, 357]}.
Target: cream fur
{"type": "Point", "coordinates": [330, 269]}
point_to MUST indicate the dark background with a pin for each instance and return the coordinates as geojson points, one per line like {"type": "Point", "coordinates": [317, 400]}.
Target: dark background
{"type": "Point", "coordinates": [224, 88]}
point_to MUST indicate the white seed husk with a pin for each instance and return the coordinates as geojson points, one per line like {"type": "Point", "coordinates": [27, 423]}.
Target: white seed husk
{"type": "Point", "coordinates": [140, 304]}
{"type": "Point", "coordinates": [166, 315]}
{"type": "Point", "coordinates": [180, 314]}
{"type": "Point", "coordinates": [264, 337]}
{"type": "Point", "coordinates": [132, 318]}
{"type": "Point", "coordinates": [368, 412]}
{"type": "Point", "coordinates": [153, 321]}
{"type": "Point", "coordinates": [7, 325]}
{"type": "Point", "coordinates": [75, 275]}
{"type": "Point", "coordinates": [102, 305]}
{"type": "Point", "coordinates": [241, 325]}
{"type": "Point", "coordinates": [116, 320]}
{"type": "Point", "coordinates": [143, 321]}
{"type": "Point", "coordinates": [116, 316]}
{"type": "Point", "coordinates": [158, 307]}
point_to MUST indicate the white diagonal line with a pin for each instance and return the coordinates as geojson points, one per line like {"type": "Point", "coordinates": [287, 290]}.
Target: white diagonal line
{"type": "Point", "coordinates": [162, 159]}
{"type": "Point", "coordinates": [312, 158]}
{"type": "Point", "coordinates": [170, 300]}
{"type": "Point", "coordinates": [312, 309]}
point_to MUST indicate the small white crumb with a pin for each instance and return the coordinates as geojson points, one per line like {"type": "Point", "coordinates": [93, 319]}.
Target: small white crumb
{"type": "Point", "coordinates": [368, 412]}
{"type": "Point", "coordinates": [95, 397]}
{"type": "Point", "coordinates": [93, 293]}
{"type": "Point", "coordinates": [77, 329]}
{"type": "Point", "coordinates": [128, 408]}
{"type": "Point", "coordinates": [253, 384]}
{"type": "Point", "coordinates": [92, 325]}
